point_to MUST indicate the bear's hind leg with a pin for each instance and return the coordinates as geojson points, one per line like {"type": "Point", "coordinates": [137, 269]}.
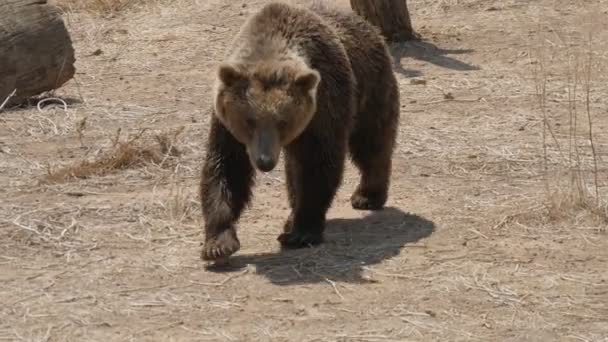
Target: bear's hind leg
{"type": "Point", "coordinates": [372, 191]}
{"type": "Point", "coordinates": [371, 148]}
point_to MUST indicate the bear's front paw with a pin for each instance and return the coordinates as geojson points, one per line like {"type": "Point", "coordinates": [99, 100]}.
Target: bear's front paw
{"type": "Point", "coordinates": [219, 248]}
{"type": "Point", "coordinates": [361, 200]}
{"type": "Point", "coordinates": [296, 239]}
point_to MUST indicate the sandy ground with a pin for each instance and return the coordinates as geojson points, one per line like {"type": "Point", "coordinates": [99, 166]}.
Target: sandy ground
{"type": "Point", "coordinates": [480, 239]}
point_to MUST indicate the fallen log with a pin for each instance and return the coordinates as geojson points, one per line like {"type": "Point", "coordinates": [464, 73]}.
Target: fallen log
{"type": "Point", "coordinates": [36, 52]}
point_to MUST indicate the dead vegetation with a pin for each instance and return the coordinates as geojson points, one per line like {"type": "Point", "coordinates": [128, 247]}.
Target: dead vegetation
{"type": "Point", "coordinates": [574, 174]}
{"type": "Point", "coordinates": [97, 7]}
{"type": "Point", "coordinates": [131, 153]}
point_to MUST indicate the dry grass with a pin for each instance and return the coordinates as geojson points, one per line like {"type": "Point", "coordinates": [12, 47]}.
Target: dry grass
{"type": "Point", "coordinates": [123, 155]}
{"type": "Point", "coordinates": [573, 184]}
{"type": "Point", "coordinates": [100, 7]}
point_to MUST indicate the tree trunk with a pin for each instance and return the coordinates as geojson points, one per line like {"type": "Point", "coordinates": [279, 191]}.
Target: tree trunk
{"type": "Point", "coordinates": [36, 53]}
{"type": "Point", "coordinates": [391, 16]}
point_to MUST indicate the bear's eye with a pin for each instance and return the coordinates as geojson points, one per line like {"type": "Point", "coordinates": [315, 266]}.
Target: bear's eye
{"type": "Point", "coordinates": [250, 122]}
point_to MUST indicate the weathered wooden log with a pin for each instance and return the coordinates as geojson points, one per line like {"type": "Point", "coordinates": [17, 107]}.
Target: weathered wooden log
{"type": "Point", "coordinates": [36, 53]}
{"type": "Point", "coordinates": [391, 16]}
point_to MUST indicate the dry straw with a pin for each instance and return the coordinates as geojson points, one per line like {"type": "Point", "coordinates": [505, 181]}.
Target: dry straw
{"type": "Point", "coordinates": [100, 7]}
{"type": "Point", "coordinates": [569, 186]}
{"type": "Point", "coordinates": [131, 153]}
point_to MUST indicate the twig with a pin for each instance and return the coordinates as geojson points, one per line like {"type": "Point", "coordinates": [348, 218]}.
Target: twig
{"type": "Point", "coordinates": [167, 326]}
{"type": "Point", "coordinates": [147, 304]}
{"type": "Point", "coordinates": [395, 275]}
{"type": "Point", "coordinates": [75, 299]}
{"type": "Point", "coordinates": [94, 261]}
{"type": "Point", "coordinates": [502, 222]}
{"type": "Point", "coordinates": [141, 289]}
{"type": "Point", "coordinates": [330, 282]}
{"type": "Point", "coordinates": [223, 282]}
{"type": "Point", "coordinates": [173, 237]}
{"type": "Point", "coordinates": [7, 99]}
{"type": "Point", "coordinates": [26, 298]}
{"type": "Point", "coordinates": [478, 233]}
{"type": "Point", "coordinates": [588, 110]}
{"type": "Point", "coordinates": [19, 225]}
{"type": "Point", "coordinates": [333, 284]}
{"type": "Point", "coordinates": [452, 100]}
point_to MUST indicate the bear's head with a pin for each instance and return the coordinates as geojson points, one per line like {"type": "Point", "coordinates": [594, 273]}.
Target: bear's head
{"type": "Point", "coordinates": [266, 106]}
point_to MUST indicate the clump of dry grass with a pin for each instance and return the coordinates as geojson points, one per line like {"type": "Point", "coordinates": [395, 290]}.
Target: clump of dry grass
{"type": "Point", "coordinates": [131, 153]}
{"type": "Point", "coordinates": [574, 184]}
{"type": "Point", "coordinates": [101, 7]}
{"type": "Point", "coordinates": [570, 200]}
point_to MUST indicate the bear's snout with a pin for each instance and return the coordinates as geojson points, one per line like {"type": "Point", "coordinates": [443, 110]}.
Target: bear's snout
{"type": "Point", "coordinates": [265, 162]}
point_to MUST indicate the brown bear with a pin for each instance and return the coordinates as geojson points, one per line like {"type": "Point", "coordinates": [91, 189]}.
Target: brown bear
{"type": "Point", "coordinates": [311, 82]}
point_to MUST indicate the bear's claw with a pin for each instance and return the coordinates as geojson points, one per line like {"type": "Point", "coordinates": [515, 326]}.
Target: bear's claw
{"type": "Point", "coordinates": [363, 201]}
{"type": "Point", "coordinates": [293, 240]}
{"type": "Point", "coordinates": [220, 247]}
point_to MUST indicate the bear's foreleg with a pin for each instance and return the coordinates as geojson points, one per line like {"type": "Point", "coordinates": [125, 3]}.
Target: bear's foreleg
{"type": "Point", "coordinates": [314, 173]}
{"type": "Point", "coordinates": [225, 191]}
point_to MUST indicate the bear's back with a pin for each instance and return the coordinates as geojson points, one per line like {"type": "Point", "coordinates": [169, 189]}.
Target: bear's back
{"type": "Point", "coordinates": [365, 46]}
{"type": "Point", "coordinates": [281, 32]}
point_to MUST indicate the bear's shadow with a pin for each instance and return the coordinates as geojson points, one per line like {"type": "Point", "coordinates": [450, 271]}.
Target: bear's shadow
{"type": "Point", "coordinates": [423, 50]}
{"type": "Point", "coordinates": [350, 245]}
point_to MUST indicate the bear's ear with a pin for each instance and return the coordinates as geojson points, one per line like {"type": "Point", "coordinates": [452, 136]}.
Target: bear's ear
{"type": "Point", "coordinates": [229, 75]}
{"type": "Point", "coordinates": [308, 81]}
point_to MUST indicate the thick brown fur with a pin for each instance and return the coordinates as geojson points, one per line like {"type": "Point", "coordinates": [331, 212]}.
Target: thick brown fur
{"type": "Point", "coordinates": [314, 83]}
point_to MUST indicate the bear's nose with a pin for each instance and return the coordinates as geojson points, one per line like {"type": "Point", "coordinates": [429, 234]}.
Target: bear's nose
{"type": "Point", "coordinates": [265, 163]}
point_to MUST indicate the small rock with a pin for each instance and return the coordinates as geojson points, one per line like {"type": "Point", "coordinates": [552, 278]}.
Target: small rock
{"type": "Point", "coordinates": [416, 81]}
{"type": "Point", "coordinates": [430, 313]}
